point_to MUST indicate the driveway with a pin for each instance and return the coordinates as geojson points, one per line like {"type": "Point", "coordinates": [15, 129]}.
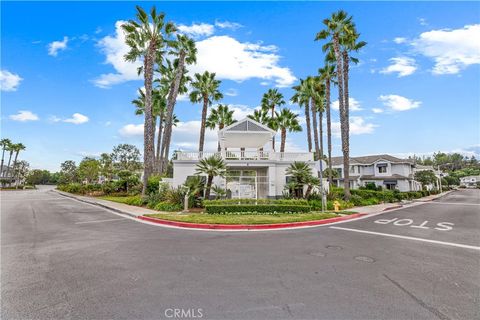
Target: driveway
{"type": "Point", "coordinates": [65, 259]}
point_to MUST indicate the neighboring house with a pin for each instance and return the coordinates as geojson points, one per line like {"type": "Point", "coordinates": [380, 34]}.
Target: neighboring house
{"type": "Point", "coordinates": [384, 170]}
{"type": "Point", "coordinates": [439, 174]}
{"type": "Point", "coordinates": [253, 169]}
{"type": "Point", "coordinates": [11, 179]}
{"type": "Point", "coordinates": [470, 181]}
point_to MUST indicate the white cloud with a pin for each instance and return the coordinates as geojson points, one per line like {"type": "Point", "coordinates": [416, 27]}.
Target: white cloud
{"type": "Point", "coordinates": [131, 130]}
{"type": "Point", "coordinates": [54, 119]}
{"type": "Point", "coordinates": [358, 126]}
{"type": "Point", "coordinates": [423, 21]}
{"type": "Point", "coordinates": [9, 81]}
{"type": "Point", "coordinates": [239, 61]}
{"type": "Point", "coordinates": [452, 50]}
{"type": "Point", "coordinates": [56, 46]}
{"type": "Point", "coordinates": [398, 103]}
{"type": "Point", "coordinates": [197, 29]}
{"type": "Point", "coordinates": [24, 115]}
{"type": "Point", "coordinates": [403, 66]}
{"type": "Point", "coordinates": [77, 118]}
{"type": "Point", "coordinates": [231, 92]}
{"type": "Point", "coordinates": [353, 104]}
{"type": "Point", "coordinates": [241, 111]}
{"type": "Point", "coordinates": [377, 110]}
{"type": "Point", "coordinates": [400, 40]}
{"type": "Point", "coordinates": [228, 25]}
{"type": "Point", "coordinates": [227, 57]}
{"type": "Point", "coordinates": [114, 48]}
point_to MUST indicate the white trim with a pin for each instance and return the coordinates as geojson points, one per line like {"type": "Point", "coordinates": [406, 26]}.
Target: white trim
{"type": "Point", "coordinates": [244, 120]}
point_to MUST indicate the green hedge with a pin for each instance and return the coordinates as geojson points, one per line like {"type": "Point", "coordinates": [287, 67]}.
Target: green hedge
{"type": "Point", "coordinates": [256, 209]}
{"type": "Point", "coordinates": [256, 201]}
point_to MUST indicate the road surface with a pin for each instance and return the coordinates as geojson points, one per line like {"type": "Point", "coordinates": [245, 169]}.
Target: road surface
{"type": "Point", "coordinates": [61, 259]}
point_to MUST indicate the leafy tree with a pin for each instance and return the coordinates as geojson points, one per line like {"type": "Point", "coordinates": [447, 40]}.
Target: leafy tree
{"type": "Point", "coordinates": [212, 167]}
{"type": "Point", "coordinates": [68, 172]}
{"type": "Point", "coordinates": [89, 169]}
{"type": "Point", "coordinates": [126, 157]}
{"type": "Point", "coordinates": [37, 176]}
{"type": "Point", "coordinates": [425, 177]}
{"type": "Point", "coordinates": [206, 90]}
{"type": "Point", "coordinates": [270, 100]}
{"type": "Point", "coordinates": [106, 168]}
{"type": "Point", "coordinates": [286, 120]}
{"type": "Point", "coordinates": [146, 37]}
{"type": "Point", "coordinates": [20, 170]}
{"type": "Point", "coordinates": [220, 117]}
{"type": "Point", "coordinates": [451, 180]}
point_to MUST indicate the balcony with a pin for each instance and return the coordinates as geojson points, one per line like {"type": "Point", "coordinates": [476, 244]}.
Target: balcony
{"type": "Point", "coordinates": [246, 156]}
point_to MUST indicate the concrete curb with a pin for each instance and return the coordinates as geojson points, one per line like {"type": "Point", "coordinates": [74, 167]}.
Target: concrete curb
{"type": "Point", "coordinates": [272, 226]}
{"type": "Point", "coordinates": [393, 207]}
{"type": "Point", "coordinates": [68, 195]}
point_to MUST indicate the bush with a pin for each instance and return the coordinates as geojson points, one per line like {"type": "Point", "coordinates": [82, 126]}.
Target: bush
{"type": "Point", "coordinates": [256, 209]}
{"type": "Point", "coordinates": [256, 202]}
{"type": "Point", "coordinates": [153, 184]}
{"type": "Point", "coordinates": [77, 188]}
{"type": "Point", "coordinates": [134, 201]}
{"type": "Point", "coordinates": [165, 206]}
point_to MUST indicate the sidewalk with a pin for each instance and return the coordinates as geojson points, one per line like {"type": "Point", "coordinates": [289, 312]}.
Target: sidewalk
{"type": "Point", "coordinates": [132, 211]}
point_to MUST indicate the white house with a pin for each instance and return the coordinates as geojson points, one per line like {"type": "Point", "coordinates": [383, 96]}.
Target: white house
{"type": "Point", "coordinates": [470, 181]}
{"type": "Point", "coordinates": [383, 170]}
{"type": "Point", "coordinates": [254, 170]}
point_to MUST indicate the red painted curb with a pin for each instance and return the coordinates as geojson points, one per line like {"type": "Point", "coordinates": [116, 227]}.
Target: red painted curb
{"type": "Point", "coordinates": [394, 207]}
{"type": "Point", "coordinates": [209, 226]}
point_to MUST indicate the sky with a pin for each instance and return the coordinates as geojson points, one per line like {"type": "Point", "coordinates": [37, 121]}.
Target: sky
{"type": "Point", "coordinates": [66, 90]}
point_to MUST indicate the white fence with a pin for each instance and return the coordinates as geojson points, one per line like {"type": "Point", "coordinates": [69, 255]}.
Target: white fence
{"type": "Point", "coordinates": [247, 155]}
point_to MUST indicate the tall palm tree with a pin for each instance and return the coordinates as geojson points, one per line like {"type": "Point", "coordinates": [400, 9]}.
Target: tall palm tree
{"type": "Point", "coordinates": [183, 48]}
{"type": "Point", "coordinates": [302, 97]}
{"type": "Point", "coordinates": [317, 97]}
{"type": "Point", "coordinates": [170, 72]}
{"type": "Point", "coordinates": [335, 28]}
{"type": "Point", "coordinates": [328, 74]}
{"type": "Point", "coordinates": [220, 117]}
{"type": "Point", "coordinates": [4, 143]}
{"type": "Point", "coordinates": [261, 116]}
{"type": "Point", "coordinates": [17, 148]}
{"type": "Point", "coordinates": [205, 89]}
{"type": "Point", "coordinates": [270, 100]}
{"type": "Point", "coordinates": [145, 37]}
{"type": "Point", "coordinates": [11, 149]}
{"type": "Point", "coordinates": [286, 120]}
{"type": "Point", "coordinates": [212, 166]}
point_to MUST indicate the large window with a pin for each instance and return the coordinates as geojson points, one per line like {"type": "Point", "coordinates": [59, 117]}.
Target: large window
{"type": "Point", "coordinates": [382, 168]}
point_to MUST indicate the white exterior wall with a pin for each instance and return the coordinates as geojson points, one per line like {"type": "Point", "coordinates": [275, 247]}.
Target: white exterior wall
{"type": "Point", "coordinates": [402, 169]}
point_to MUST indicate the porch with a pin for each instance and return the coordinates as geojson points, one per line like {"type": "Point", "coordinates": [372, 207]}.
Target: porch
{"type": "Point", "coordinates": [230, 155]}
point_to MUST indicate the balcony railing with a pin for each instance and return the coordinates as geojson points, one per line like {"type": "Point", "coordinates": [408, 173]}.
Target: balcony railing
{"type": "Point", "coordinates": [247, 155]}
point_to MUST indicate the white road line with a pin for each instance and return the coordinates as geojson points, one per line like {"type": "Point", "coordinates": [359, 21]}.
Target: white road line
{"type": "Point", "coordinates": [95, 221]}
{"type": "Point", "coordinates": [464, 246]}
{"type": "Point", "coordinates": [454, 203]}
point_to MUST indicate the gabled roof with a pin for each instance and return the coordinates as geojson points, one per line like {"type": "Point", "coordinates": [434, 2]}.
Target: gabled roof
{"type": "Point", "coordinates": [246, 133]}
{"type": "Point", "coordinates": [366, 160]}
{"type": "Point", "coordinates": [247, 125]}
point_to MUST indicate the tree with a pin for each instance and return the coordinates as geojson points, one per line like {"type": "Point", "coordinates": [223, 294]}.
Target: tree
{"type": "Point", "coordinates": [271, 99]}
{"type": "Point", "coordinates": [5, 144]}
{"type": "Point", "coordinates": [145, 38]}
{"type": "Point", "coordinates": [20, 170]}
{"type": "Point", "coordinates": [286, 120]}
{"type": "Point", "coordinates": [302, 96]}
{"type": "Point", "coordinates": [205, 89]}
{"type": "Point", "coordinates": [261, 116]}
{"type": "Point", "coordinates": [186, 53]}
{"type": "Point", "coordinates": [11, 149]}
{"type": "Point", "coordinates": [425, 177]}
{"type": "Point", "coordinates": [17, 147]}
{"type": "Point", "coordinates": [220, 117]}
{"type": "Point", "coordinates": [328, 74]}
{"type": "Point", "coordinates": [335, 28]}
{"type": "Point", "coordinates": [68, 172]}
{"type": "Point", "coordinates": [106, 166]}
{"type": "Point", "coordinates": [37, 176]}
{"type": "Point", "coordinates": [318, 98]}
{"type": "Point", "coordinates": [212, 167]}
{"type": "Point", "coordinates": [89, 169]}
{"type": "Point", "coordinates": [300, 173]}
{"type": "Point", "coordinates": [126, 157]}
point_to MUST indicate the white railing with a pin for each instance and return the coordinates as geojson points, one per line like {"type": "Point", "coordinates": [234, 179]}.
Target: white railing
{"type": "Point", "coordinates": [246, 155]}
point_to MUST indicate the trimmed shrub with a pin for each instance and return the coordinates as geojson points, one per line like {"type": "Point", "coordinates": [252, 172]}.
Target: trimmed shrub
{"type": "Point", "coordinates": [153, 183]}
{"type": "Point", "coordinates": [255, 202]}
{"type": "Point", "coordinates": [256, 209]}
{"type": "Point", "coordinates": [165, 206]}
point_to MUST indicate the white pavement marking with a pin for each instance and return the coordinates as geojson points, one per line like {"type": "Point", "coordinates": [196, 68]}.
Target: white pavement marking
{"type": "Point", "coordinates": [95, 221]}
{"type": "Point", "coordinates": [455, 203]}
{"type": "Point", "coordinates": [464, 246]}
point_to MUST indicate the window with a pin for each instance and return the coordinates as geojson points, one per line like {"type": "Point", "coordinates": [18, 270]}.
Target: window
{"type": "Point", "coordinates": [382, 168]}
{"type": "Point", "coordinates": [352, 169]}
{"type": "Point", "coordinates": [339, 172]}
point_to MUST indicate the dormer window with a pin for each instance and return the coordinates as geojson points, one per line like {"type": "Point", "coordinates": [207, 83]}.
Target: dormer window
{"type": "Point", "coordinates": [382, 167]}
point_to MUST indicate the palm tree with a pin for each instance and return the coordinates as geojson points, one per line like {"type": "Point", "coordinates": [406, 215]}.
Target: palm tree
{"type": "Point", "coordinates": [212, 166]}
{"type": "Point", "coordinates": [261, 116]}
{"type": "Point", "coordinates": [300, 173]}
{"type": "Point", "coordinates": [302, 98]}
{"type": "Point", "coordinates": [318, 101]}
{"type": "Point", "coordinates": [17, 147]}
{"type": "Point", "coordinates": [205, 89]}
{"type": "Point", "coordinates": [220, 117]}
{"type": "Point", "coordinates": [4, 143]}
{"type": "Point", "coordinates": [183, 48]}
{"type": "Point", "coordinates": [336, 27]}
{"type": "Point", "coordinates": [328, 74]}
{"type": "Point", "coordinates": [145, 38]}
{"type": "Point", "coordinates": [286, 120]}
{"type": "Point", "coordinates": [271, 99]}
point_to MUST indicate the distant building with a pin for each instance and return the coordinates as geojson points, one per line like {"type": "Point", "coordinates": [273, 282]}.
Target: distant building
{"type": "Point", "coordinates": [470, 181]}
{"type": "Point", "coordinates": [383, 170]}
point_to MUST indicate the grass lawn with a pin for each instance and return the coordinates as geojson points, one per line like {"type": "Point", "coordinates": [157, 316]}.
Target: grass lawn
{"type": "Point", "coordinates": [120, 199]}
{"type": "Point", "coordinates": [243, 218]}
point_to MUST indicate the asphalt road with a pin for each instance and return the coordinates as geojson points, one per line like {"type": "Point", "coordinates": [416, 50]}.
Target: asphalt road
{"type": "Point", "coordinates": [63, 259]}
